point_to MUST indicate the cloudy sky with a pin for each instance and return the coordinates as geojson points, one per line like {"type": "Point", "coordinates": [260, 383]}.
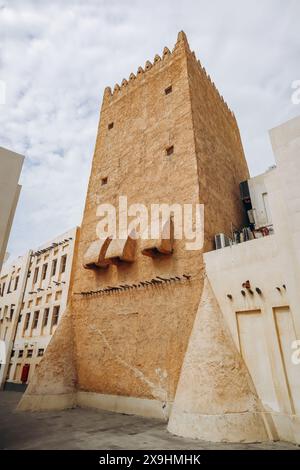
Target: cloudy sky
{"type": "Point", "coordinates": [56, 58]}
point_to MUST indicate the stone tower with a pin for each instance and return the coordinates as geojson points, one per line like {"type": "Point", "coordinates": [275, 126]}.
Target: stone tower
{"type": "Point", "coordinates": [165, 136]}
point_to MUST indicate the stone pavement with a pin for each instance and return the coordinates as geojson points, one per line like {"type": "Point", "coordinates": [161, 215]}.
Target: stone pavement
{"type": "Point", "coordinates": [94, 429]}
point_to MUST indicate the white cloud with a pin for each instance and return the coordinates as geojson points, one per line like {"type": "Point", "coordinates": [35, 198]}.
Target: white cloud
{"type": "Point", "coordinates": [56, 58]}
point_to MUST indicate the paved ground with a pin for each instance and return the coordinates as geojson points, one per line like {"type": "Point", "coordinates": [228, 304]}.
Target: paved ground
{"type": "Point", "coordinates": [90, 429]}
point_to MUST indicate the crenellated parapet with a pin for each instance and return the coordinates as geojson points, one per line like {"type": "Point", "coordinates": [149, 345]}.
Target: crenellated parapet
{"type": "Point", "coordinates": [142, 71]}
{"type": "Point", "coordinates": [218, 97]}
{"type": "Point", "coordinates": [158, 61]}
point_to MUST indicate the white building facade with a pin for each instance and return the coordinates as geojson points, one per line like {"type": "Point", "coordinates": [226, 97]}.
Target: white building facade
{"type": "Point", "coordinates": [257, 287]}
{"type": "Point", "coordinates": [10, 169]}
{"type": "Point", "coordinates": [12, 286]}
{"type": "Point", "coordinates": [44, 300]}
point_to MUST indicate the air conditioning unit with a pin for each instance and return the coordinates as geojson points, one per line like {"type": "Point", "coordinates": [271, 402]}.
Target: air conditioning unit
{"type": "Point", "coordinates": [221, 241]}
{"type": "Point", "coordinates": [251, 216]}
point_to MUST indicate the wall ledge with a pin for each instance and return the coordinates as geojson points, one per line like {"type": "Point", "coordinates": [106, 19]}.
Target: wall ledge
{"type": "Point", "coordinates": [127, 405]}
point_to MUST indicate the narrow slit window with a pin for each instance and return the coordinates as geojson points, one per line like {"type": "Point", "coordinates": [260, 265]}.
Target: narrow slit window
{"type": "Point", "coordinates": [35, 320]}
{"type": "Point", "coordinates": [53, 269]}
{"type": "Point", "coordinates": [110, 126]}
{"type": "Point", "coordinates": [27, 320]}
{"type": "Point", "coordinates": [44, 271]}
{"type": "Point", "coordinates": [35, 276]}
{"type": "Point", "coordinates": [46, 316]}
{"type": "Point", "coordinates": [168, 90]}
{"type": "Point", "coordinates": [55, 315]}
{"type": "Point", "coordinates": [170, 150]}
{"type": "Point", "coordinates": [104, 181]}
{"type": "Point", "coordinates": [63, 263]}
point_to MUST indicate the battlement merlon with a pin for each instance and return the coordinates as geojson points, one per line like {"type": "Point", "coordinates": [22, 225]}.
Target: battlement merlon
{"type": "Point", "coordinates": [182, 44]}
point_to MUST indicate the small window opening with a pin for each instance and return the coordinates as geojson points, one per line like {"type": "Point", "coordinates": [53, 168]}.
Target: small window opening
{"type": "Point", "coordinates": [104, 181]}
{"type": "Point", "coordinates": [168, 90]}
{"type": "Point", "coordinates": [170, 150]}
{"type": "Point", "coordinates": [110, 126]}
{"type": "Point", "coordinates": [40, 352]}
